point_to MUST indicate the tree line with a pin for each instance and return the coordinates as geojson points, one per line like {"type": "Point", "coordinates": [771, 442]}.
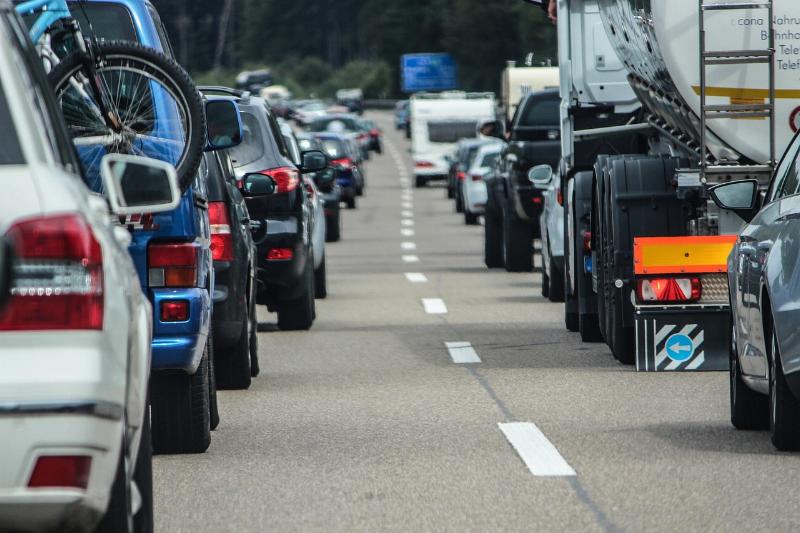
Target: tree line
{"type": "Point", "coordinates": [305, 40]}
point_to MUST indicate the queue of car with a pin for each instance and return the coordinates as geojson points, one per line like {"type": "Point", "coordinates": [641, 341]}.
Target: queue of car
{"type": "Point", "coordinates": [139, 294]}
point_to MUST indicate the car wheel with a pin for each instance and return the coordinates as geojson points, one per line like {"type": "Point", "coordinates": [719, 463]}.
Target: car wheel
{"type": "Point", "coordinates": [333, 227]}
{"type": "Point", "coordinates": [518, 243]}
{"type": "Point", "coordinates": [556, 280]}
{"type": "Point", "coordinates": [255, 369]}
{"type": "Point", "coordinates": [784, 409]}
{"type": "Point", "coordinates": [545, 281]}
{"type": "Point", "coordinates": [459, 201]}
{"type": "Point", "coordinates": [321, 281]}
{"type": "Point", "coordinates": [420, 181]}
{"type": "Point", "coordinates": [749, 409]}
{"type": "Point", "coordinates": [119, 513]}
{"type": "Point", "coordinates": [492, 240]}
{"type": "Point", "coordinates": [298, 314]}
{"type": "Point", "coordinates": [351, 203]}
{"type": "Point", "coordinates": [451, 193]}
{"type": "Point", "coordinates": [180, 410]}
{"type": "Point", "coordinates": [143, 477]}
{"type": "Point", "coordinates": [470, 219]}
{"type": "Point", "coordinates": [213, 408]}
{"type": "Point", "coordinates": [233, 370]}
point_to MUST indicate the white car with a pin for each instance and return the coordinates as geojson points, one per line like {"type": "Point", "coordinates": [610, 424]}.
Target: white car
{"type": "Point", "coordinates": [551, 223]}
{"type": "Point", "coordinates": [473, 186]}
{"type": "Point", "coordinates": [75, 335]}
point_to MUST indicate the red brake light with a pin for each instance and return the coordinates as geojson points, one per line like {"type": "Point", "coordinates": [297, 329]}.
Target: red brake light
{"type": "Point", "coordinates": [668, 290]}
{"type": "Point", "coordinates": [173, 265]}
{"type": "Point", "coordinates": [344, 162]}
{"type": "Point", "coordinates": [375, 132]}
{"type": "Point", "coordinates": [59, 276]}
{"type": "Point", "coordinates": [61, 471]}
{"type": "Point", "coordinates": [477, 177]}
{"type": "Point", "coordinates": [423, 164]}
{"type": "Point", "coordinates": [286, 178]}
{"type": "Point", "coordinates": [175, 311]}
{"type": "Point", "coordinates": [221, 238]}
{"type": "Point", "coordinates": [280, 254]}
{"type": "Point", "coordinates": [587, 241]}
{"type": "Point", "coordinates": [559, 197]}
{"type": "Point", "coordinates": [461, 176]}
{"type": "Point", "coordinates": [537, 200]}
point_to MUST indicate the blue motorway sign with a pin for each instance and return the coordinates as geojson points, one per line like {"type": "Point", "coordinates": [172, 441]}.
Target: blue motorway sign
{"type": "Point", "coordinates": [428, 72]}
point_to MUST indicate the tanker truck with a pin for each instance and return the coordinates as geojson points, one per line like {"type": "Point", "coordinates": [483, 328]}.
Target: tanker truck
{"type": "Point", "coordinates": [662, 100]}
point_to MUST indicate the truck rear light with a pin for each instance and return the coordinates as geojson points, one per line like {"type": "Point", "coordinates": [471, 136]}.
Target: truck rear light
{"type": "Point", "coordinates": [286, 178]}
{"type": "Point", "coordinates": [280, 254]}
{"type": "Point", "coordinates": [173, 265]}
{"type": "Point", "coordinates": [423, 164]}
{"type": "Point", "coordinates": [58, 276]}
{"type": "Point", "coordinates": [175, 311]}
{"type": "Point", "coordinates": [221, 238]}
{"type": "Point", "coordinates": [61, 471]}
{"type": "Point", "coordinates": [668, 290]}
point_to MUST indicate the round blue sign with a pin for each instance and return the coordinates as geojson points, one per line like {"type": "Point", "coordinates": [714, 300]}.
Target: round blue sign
{"type": "Point", "coordinates": [679, 347]}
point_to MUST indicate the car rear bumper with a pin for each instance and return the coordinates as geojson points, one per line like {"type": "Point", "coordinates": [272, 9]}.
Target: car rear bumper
{"type": "Point", "coordinates": [180, 345]}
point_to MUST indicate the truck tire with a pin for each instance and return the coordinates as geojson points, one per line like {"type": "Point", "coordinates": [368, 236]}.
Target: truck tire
{"type": "Point", "coordinates": [232, 366]}
{"type": "Point", "coordinates": [749, 409]}
{"type": "Point", "coordinates": [298, 314]}
{"type": "Point", "coordinates": [517, 242]}
{"type": "Point", "coordinates": [180, 410]}
{"type": "Point", "coordinates": [585, 320]}
{"type": "Point", "coordinates": [493, 240]}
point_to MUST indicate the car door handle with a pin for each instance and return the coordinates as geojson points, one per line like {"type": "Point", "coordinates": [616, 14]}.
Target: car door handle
{"type": "Point", "coordinates": [747, 249]}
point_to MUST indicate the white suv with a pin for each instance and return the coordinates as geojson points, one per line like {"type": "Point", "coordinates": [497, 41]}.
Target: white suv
{"type": "Point", "coordinates": [75, 335]}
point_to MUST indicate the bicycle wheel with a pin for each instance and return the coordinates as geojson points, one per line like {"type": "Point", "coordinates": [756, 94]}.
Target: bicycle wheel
{"type": "Point", "coordinates": [155, 109]}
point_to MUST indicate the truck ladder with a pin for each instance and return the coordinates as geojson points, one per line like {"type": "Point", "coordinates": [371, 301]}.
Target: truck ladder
{"type": "Point", "coordinates": [742, 110]}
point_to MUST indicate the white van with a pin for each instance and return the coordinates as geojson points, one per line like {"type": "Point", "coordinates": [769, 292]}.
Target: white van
{"type": "Point", "coordinates": [438, 122]}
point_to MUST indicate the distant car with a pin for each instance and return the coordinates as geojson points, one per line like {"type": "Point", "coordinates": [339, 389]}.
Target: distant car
{"type": "Point", "coordinates": [465, 152]}
{"type": "Point", "coordinates": [339, 123]}
{"type": "Point", "coordinates": [375, 135]}
{"type": "Point", "coordinates": [401, 115]}
{"type": "Point", "coordinates": [234, 320]}
{"type": "Point", "coordinates": [307, 111]}
{"type": "Point", "coordinates": [352, 99]}
{"type": "Point", "coordinates": [329, 189]}
{"type": "Point", "coordinates": [551, 223]}
{"type": "Point", "coordinates": [254, 80]}
{"type": "Point", "coordinates": [340, 148]}
{"type": "Point", "coordinates": [764, 288]}
{"type": "Point", "coordinates": [473, 186]}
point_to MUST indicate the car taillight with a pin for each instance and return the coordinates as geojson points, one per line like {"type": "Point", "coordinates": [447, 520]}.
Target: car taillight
{"type": "Point", "coordinates": [58, 276]}
{"type": "Point", "coordinates": [587, 241]}
{"type": "Point", "coordinates": [221, 238]}
{"type": "Point", "coordinates": [559, 197]}
{"type": "Point", "coordinates": [61, 471]}
{"type": "Point", "coordinates": [375, 132]}
{"type": "Point", "coordinates": [537, 200]}
{"type": "Point", "coordinates": [175, 311]}
{"type": "Point", "coordinates": [280, 254]}
{"type": "Point", "coordinates": [423, 164]}
{"type": "Point", "coordinates": [668, 290]}
{"type": "Point", "coordinates": [173, 265]}
{"type": "Point", "coordinates": [461, 176]}
{"type": "Point", "coordinates": [477, 177]}
{"type": "Point", "coordinates": [286, 178]}
{"type": "Point", "coordinates": [344, 162]}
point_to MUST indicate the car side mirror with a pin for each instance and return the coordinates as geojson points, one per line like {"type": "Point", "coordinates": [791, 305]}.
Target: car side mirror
{"type": "Point", "coordinates": [139, 185]}
{"type": "Point", "coordinates": [314, 161]}
{"type": "Point", "coordinates": [741, 197]}
{"type": "Point", "coordinates": [6, 270]}
{"type": "Point", "coordinates": [492, 128]}
{"type": "Point", "coordinates": [325, 178]}
{"type": "Point", "coordinates": [541, 176]}
{"type": "Point", "coordinates": [223, 125]}
{"type": "Point", "coordinates": [258, 185]}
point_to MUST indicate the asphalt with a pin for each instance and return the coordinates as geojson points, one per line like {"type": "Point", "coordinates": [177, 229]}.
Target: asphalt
{"type": "Point", "coordinates": [365, 423]}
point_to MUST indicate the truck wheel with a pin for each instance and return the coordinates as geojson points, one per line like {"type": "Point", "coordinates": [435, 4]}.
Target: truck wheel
{"type": "Point", "coordinates": [518, 243]}
{"type": "Point", "coordinates": [784, 408]}
{"type": "Point", "coordinates": [298, 315]}
{"type": "Point", "coordinates": [333, 228]}
{"type": "Point", "coordinates": [420, 181]}
{"type": "Point", "coordinates": [180, 411]}
{"type": "Point", "coordinates": [749, 409]}
{"type": "Point", "coordinates": [492, 240]}
{"type": "Point", "coordinates": [321, 281]}
{"type": "Point", "coordinates": [232, 367]}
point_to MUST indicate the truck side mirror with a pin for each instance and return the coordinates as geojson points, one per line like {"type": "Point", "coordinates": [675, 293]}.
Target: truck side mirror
{"type": "Point", "coordinates": [223, 125]}
{"type": "Point", "coordinates": [6, 270]}
{"type": "Point", "coordinates": [139, 185]}
{"type": "Point", "coordinates": [541, 176]}
{"type": "Point", "coordinates": [741, 197]}
{"type": "Point", "coordinates": [493, 128]}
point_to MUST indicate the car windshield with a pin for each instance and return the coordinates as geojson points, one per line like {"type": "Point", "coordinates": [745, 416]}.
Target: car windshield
{"type": "Point", "coordinates": [252, 147]}
{"type": "Point", "coordinates": [335, 149]}
{"type": "Point", "coordinates": [10, 149]}
{"type": "Point", "coordinates": [333, 123]}
{"type": "Point", "coordinates": [450, 131]}
{"type": "Point", "coordinates": [541, 113]}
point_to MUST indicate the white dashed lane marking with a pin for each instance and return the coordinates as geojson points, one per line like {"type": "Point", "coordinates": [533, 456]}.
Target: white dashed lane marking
{"type": "Point", "coordinates": [405, 232]}
{"type": "Point", "coordinates": [434, 306]}
{"type": "Point", "coordinates": [408, 246]}
{"type": "Point", "coordinates": [535, 450]}
{"type": "Point", "coordinates": [407, 222]}
{"type": "Point", "coordinates": [410, 259]}
{"type": "Point", "coordinates": [406, 214]}
{"type": "Point", "coordinates": [416, 277]}
{"type": "Point", "coordinates": [462, 353]}
{"type": "Point", "coordinates": [407, 205]}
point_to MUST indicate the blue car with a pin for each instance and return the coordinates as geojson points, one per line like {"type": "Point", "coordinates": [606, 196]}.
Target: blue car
{"type": "Point", "coordinates": [344, 157]}
{"type": "Point", "coordinates": [172, 254]}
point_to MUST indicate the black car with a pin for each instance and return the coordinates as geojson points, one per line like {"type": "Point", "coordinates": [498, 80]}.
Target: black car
{"type": "Point", "coordinates": [329, 189]}
{"type": "Point", "coordinates": [234, 320]}
{"type": "Point", "coordinates": [279, 210]}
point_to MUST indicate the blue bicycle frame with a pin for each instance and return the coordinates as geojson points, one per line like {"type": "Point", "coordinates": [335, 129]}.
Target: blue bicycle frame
{"type": "Point", "coordinates": [50, 12]}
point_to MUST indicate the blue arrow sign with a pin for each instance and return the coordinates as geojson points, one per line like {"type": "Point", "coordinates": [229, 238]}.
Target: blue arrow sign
{"type": "Point", "coordinates": [679, 347]}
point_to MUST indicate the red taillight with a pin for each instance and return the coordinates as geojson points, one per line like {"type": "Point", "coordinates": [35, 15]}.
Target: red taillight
{"type": "Point", "coordinates": [173, 265]}
{"type": "Point", "coordinates": [537, 200]}
{"type": "Point", "coordinates": [559, 197]}
{"type": "Point", "coordinates": [668, 290]}
{"type": "Point", "coordinates": [461, 176]}
{"type": "Point", "coordinates": [280, 254]}
{"type": "Point", "coordinates": [221, 238]}
{"type": "Point", "coordinates": [61, 471]}
{"type": "Point", "coordinates": [58, 281]}
{"type": "Point", "coordinates": [175, 311]}
{"type": "Point", "coordinates": [423, 164]}
{"type": "Point", "coordinates": [476, 177]}
{"type": "Point", "coordinates": [375, 132]}
{"type": "Point", "coordinates": [344, 162]}
{"type": "Point", "coordinates": [587, 241]}
{"type": "Point", "coordinates": [286, 178]}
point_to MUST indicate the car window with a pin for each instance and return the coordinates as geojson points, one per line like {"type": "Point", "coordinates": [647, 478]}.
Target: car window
{"type": "Point", "coordinates": [166, 45]}
{"type": "Point", "coordinates": [252, 147]}
{"type": "Point", "coordinates": [540, 112]}
{"type": "Point", "coordinates": [294, 150]}
{"type": "Point", "coordinates": [469, 155]}
{"type": "Point", "coordinates": [326, 123]}
{"type": "Point", "coordinates": [450, 131]}
{"type": "Point", "coordinates": [334, 148]}
{"type": "Point", "coordinates": [110, 22]}
{"type": "Point", "coordinates": [10, 149]}
{"type": "Point", "coordinates": [489, 160]}
{"type": "Point", "coordinates": [787, 176]}
{"type": "Point", "coordinates": [277, 135]}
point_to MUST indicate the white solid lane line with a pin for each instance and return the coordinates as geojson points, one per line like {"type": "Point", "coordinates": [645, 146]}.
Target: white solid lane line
{"type": "Point", "coordinates": [408, 246]}
{"type": "Point", "coordinates": [416, 277]}
{"type": "Point", "coordinates": [535, 450]}
{"type": "Point", "coordinates": [462, 353]}
{"type": "Point", "coordinates": [407, 222]}
{"type": "Point", "coordinates": [434, 306]}
{"type": "Point", "coordinates": [410, 259]}
{"type": "Point", "coordinates": [405, 232]}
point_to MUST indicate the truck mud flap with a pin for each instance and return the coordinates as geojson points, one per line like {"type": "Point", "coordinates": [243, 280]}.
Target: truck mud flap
{"type": "Point", "coordinates": [680, 340]}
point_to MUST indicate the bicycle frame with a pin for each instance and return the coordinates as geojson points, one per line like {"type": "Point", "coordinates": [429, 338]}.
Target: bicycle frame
{"type": "Point", "coordinates": [50, 12]}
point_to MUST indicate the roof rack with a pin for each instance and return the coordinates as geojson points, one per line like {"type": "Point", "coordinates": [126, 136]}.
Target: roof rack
{"type": "Point", "coordinates": [219, 89]}
{"type": "Point", "coordinates": [453, 94]}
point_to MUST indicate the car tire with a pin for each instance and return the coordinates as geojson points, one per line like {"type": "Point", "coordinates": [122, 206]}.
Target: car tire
{"type": "Point", "coordinates": [545, 289]}
{"type": "Point", "coordinates": [213, 407]}
{"type": "Point", "coordinates": [255, 369]}
{"type": "Point", "coordinates": [180, 410]}
{"type": "Point", "coordinates": [470, 219]}
{"type": "Point", "coordinates": [119, 513]}
{"type": "Point", "coordinates": [333, 229]}
{"type": "Point", "coordinates": [784, 408]}
{"type": "Point", "coordinates": [517, 243]}
{"type": "Point", "coordinates": [556, 279]}
{"type": "Point", "coordinates": [321, 281]}
{"type": "Point", "coordinates": [420, 182]}
{"type": "Point", "coordinates": [233, 368]}
{"type": "Point", "coordinates": [351, 203]}
{"type": "Point", "coordinates": [749, 409]}
{"type": "Point", "coordinates": [493, 240]}
{"type": "Point", "coordinates": [451, 193]}
{"type": "Point", "coordinates": [360, 190]}
{"type": "Point", "coordinates": [143, 477]}
{"type": "Point", "coordinates": [459, 201]}
{"type": "Point", "coordinates": [298, 315]}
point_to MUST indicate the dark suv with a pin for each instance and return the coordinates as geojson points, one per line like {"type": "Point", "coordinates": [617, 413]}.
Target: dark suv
{"type": "Point", "coordinates": [280, 217]}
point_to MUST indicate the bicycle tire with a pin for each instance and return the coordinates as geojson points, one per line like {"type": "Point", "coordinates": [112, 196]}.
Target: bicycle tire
{"type": "Point", "coordinates": [129, 56]}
